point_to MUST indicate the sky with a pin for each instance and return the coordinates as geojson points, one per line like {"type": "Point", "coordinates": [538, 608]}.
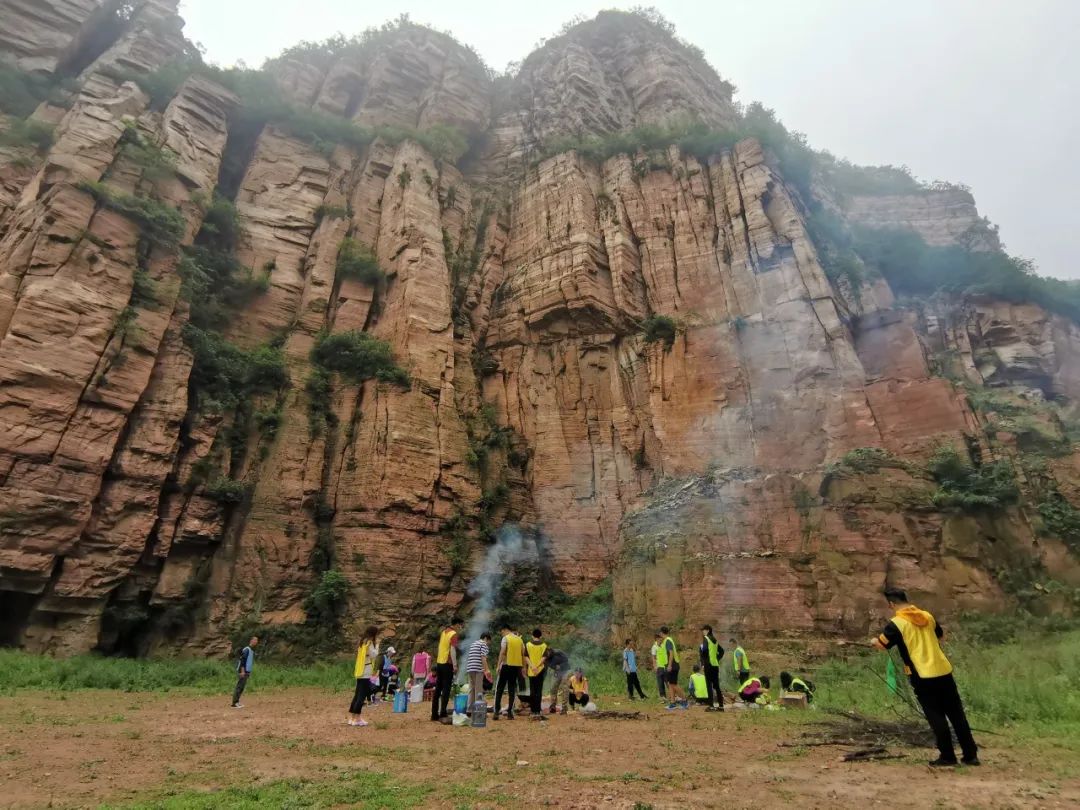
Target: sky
{"type": "Point", "coordinates": [980, 92]}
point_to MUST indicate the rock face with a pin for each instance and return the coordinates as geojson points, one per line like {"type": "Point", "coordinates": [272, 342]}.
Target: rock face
{"type": "Point", "coordinates": [941, 218]}
{"type": "Point", "coordinates": [719, 473]}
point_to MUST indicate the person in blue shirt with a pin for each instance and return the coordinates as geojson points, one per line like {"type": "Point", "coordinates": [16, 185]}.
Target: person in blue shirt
{"type": "Point", "coordinates": [243, 670]}
{"type": "Point", "coordinates": [629, 666]}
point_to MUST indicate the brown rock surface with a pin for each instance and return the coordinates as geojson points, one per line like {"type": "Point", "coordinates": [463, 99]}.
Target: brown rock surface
{"type": "Point", "coordinates": [710, 475]}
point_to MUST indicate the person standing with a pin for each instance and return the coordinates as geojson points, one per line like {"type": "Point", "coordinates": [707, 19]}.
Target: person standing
{"type": "Point", "coordinates": [629, 666]}
{"type": "Point", "coordinates": [559, 664]}
{"type": "Point", "coordinates": [711, 652]}
{"type": "Point", "coordinates": [243, 670]}
{"type": "Point", "coordinates": [367, 656]}
{"type": "Point", "coordinates": [536, 654]}
{"type": "Point", "coordinates": [445, 667]}
{"type": "Point", "coordinates": [739, 661]}
{"type": "Point", "coordinates": [669, 653]}
{"type": "Point", "coordinates": [661, 675]}
{"type": "Point", "coordinates": [476, 667]}
{"type": "Point", "coordinates": [511, 666]}
{"type": "Point", "coordinates": [916, 634]}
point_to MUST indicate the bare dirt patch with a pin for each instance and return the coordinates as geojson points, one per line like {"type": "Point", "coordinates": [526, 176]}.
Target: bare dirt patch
{"type": "Point", "coordinates": [85, 748]}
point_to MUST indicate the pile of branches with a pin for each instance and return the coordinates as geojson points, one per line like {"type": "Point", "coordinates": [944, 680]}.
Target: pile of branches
{"type": "Point", "coordinates": [867, 736]}
{"type": "Point", "coordinates": [611, 715]}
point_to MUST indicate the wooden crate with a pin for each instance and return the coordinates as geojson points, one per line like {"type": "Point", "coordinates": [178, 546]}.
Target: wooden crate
{"type": "Point", "coordinates": [794, 700]}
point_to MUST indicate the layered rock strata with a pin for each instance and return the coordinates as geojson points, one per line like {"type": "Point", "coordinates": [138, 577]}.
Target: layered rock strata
{"type": "Point", "coordinates": [700, 471]}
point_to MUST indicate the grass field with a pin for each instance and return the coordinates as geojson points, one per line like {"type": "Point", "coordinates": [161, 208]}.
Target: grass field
{"type": "Point", "coordinates": [1016, 673]}
{"type": "Point", "coordinates": [159, 734]}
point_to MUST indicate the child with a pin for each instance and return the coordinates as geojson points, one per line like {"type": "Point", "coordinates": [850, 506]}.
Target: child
{"type": "Point", "coordinates": [579, 689]}
{"type": "Point", "coordinates": [629, 666]}
{"type": "Point", "coordinates": [699, 687]}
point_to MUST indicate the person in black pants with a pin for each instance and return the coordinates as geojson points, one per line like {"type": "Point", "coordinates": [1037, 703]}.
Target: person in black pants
{"type": "Point", "coordinates": [511, 665]}
{"type": "Point", "coordinates": [629, 665]}
{"type": "Point", "coordinates": [916, 635]}
{"type": "Point", "coordinates": [445, 667]}
{"type": "Point", "coordinates": [536, 658]}
{"type": "Point", "coordinates": [710, 653]}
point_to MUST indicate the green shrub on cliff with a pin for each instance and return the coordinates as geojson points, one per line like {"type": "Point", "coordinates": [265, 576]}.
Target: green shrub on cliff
{"type": "Point", "coordinates": [659, 329]}
{"type": "Point", "coordinates": [27, 133]}
{"type": "Point", "coordinates": [914, 268]}
{"type": "Point", "coordinates": [161, 224]}
{"type": "Point", "coordinates": [358, 356]}
{"type": "Point", "coordinates": [356, 261]}
{"type": "Point", "coordinates": [326, 603]}
{"type": "Point", "coordinates": [964, 486]}
{"type": "Point", "coordinates": [224, 375]}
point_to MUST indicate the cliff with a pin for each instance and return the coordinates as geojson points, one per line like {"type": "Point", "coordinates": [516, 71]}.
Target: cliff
{"type": "Point", "coordinates": [285, 349]}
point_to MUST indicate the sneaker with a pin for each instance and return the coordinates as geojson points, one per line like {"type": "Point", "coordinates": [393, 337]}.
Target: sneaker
{"type": "Point", "coordinates": [970, 761]}
{"type": "Point", "coordinates": [360, 722]}
{"type": "Point", "coordinates": [237, 706]}
{"type": "Point", "coordinates": [685, 704]}
{"type": "Point", "coordinates": [671, 706]}
{"type": "Point", "coordinates": [940, 762]}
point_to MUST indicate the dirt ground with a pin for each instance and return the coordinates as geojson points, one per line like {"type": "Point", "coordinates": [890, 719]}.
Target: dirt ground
{"type": "Point", "coordinates": [84, 748]}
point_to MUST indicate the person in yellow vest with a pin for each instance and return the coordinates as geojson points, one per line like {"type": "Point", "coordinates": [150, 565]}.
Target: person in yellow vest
{"type": "Point", "coordinates": [668, 658]}
{"type": "Point", "coordinates": [699, 687]}
{"type": "Point", "coordinates": [511, 667]}
{"type": "Point", "coordinates": [445, 667]}
{"type": "Point", "coordinates": [915, 633]}
{"type": "Point", "coordinates": [789, 683]}
{"type": "Point", "coordinates": [536, 656]}
{"type": "Point", "coordinates": [755, 690]}
{"type": "Point", "coordinates": [710, 653]}
{"type": "Point", "coordinates": [579, 689]}
{"type": "Point", "coordinates": [366, 656]}
{"type": "Point", "coordinates": [739, 661]}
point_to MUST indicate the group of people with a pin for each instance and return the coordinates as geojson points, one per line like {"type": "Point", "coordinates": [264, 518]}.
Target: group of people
{"type": "Point", "coordinates": [522, 666]}
{"type": "Point", "coordinates": [526, 664]}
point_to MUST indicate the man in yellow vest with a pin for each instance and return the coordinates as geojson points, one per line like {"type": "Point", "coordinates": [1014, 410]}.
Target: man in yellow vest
{"type": "Point", "coordinates": [536, 657]}
{"type": "Point", "coordinates": [445, 667]}
{"type": "Point", "coordinates": [511, 667]}
{"type": "Point", "coordinates": [915, 633]}
{"type": "Point", "coordinates": [668, 658]}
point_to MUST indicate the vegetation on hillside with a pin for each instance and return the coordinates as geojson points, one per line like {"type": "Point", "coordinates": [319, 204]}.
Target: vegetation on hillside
{"type": "Point", "coordinates": [356, 261]}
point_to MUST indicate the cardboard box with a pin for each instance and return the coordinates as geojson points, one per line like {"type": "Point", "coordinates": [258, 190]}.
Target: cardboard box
{"type": "Point", "coordinates": [794, 700]}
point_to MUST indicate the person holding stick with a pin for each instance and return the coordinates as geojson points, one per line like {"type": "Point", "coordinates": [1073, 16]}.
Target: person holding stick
{"type": "Point", "coordinates": [916, 634]}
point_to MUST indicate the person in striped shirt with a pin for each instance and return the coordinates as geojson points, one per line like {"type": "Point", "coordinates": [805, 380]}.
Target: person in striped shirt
{"type": "Point", "coordinates": [476, 666]}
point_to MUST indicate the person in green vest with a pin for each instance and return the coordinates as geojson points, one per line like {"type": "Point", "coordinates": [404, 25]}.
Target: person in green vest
{"type": "Point", "coordinates": [711, 652]}
{"type": "Point", "coordinates": [739, 661]}
{"type": "Point", "coordinates": [667, 657]}
{"type": "Point", "coordinates": [794, 685]}
{"type": "Point", "coordinates": [699, 688]}
{"type": "Point", "coordinates": [755, 690]}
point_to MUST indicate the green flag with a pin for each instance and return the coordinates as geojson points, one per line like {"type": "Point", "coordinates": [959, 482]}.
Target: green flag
{"type": "Point", "coordinates": [890, 677]}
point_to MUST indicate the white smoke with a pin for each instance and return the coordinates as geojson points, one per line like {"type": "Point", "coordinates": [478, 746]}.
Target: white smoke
{"type": "Point", "coordinates": [510, 549]}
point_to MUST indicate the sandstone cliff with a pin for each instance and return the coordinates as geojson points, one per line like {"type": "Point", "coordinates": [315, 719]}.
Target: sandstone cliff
{"type": "Point", "coordinates": [647, 359]}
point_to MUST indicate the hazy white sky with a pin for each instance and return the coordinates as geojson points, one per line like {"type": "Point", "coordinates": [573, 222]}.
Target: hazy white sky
{"type": "Point", "coordinates": [982, 92]}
